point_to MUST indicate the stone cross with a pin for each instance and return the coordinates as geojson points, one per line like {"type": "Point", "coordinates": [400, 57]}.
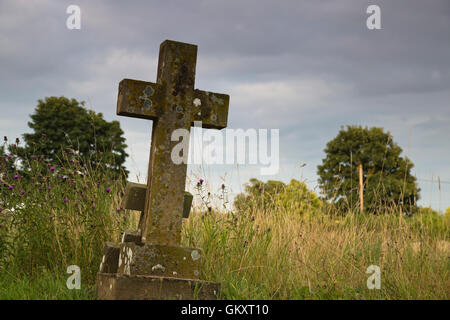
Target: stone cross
{"type": "Point", "coordinates": [172, 103]}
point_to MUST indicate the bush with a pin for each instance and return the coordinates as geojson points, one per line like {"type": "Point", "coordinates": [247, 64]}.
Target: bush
{"type": "Point", "coordinates": [56, 215]}
{"type": "Point", "coordinates": [276, 195]}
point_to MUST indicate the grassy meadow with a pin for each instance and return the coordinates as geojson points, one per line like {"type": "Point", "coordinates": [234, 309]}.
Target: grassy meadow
{"type": "Point", "coordinates": [61, 215]}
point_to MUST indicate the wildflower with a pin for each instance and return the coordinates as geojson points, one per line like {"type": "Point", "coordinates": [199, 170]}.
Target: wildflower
{"type": "Point", "coordinates": [93, 207]}
{"type": "Point", "coordinates": [209, 209]}
{"type": "Point", "coordinates": [33, 157]}
{"type": "Point", "coordinates": [49, 188]}
{"type": "Point", "coordinates": [252, 219]}
{"type": "Point", "coordinates": [201, 181]}
{"type": "Point", "coordinates": [223, 186]}
{"type": "Point", "coordinates": [65, 200]}
{"type": "Point", "coordinates": [245, 243]}
{"type": "Point", "coordinates": [52, 169]}
{"type": "Point", "coordinates": [118, 210]}
{"type": "Point", "coordinates": [17, 140]}
{"type": "Point", "coordinates": [16, 177]}
{"type": "Point", "coordinates": [9, 157]}
{"type": "Point", "coordinates": [10, 187]}
{"type": "Point", "coordinates": [5, 138]}
{"type": "Point", "coordinates": [22, 191]}
{"type": "Point", "coordinates": [108, 190]}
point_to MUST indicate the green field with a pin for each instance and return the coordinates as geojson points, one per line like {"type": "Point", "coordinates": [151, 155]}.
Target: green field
{"type": "Point", "coordinates": [63, 218]}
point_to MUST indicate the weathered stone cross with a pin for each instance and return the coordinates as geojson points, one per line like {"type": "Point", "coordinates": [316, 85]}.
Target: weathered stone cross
{"type": "Point", "coordinates": [172, 103]}
{"type": "Point", "coordinates": [150, 264]}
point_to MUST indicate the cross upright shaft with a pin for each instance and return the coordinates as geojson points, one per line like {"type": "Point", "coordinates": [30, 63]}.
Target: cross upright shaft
{"type": "Point", "coordinates": [172, 103]}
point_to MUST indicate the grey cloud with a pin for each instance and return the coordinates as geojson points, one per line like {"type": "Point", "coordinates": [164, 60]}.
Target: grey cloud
{"type": "Point", "coordinates": [330, 70]}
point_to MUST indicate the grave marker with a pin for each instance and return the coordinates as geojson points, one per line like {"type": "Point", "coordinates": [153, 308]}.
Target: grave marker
{"type": "Point", "coordinates": [149, 263]}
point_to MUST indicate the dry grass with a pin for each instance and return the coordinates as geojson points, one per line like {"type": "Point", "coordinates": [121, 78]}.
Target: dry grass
{"type": "Point", "coordinates": [285, 255]}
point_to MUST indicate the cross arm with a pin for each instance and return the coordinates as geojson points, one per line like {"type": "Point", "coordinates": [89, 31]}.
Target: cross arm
{"type": "Point", "coordinates": [140, 99]}
{"type": "Point", "coordinates": [211, 108]}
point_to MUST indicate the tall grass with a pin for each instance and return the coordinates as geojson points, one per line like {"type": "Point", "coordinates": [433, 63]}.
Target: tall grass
{"type": "Point", "coordinates": [281, 254]}
{"type": "Point", "coordinates": [56, 215]}
{"type": "Point", "coordinates": [53, 216]}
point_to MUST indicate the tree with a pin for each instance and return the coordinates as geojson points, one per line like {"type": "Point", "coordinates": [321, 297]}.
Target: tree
{"type": "Point", "coordinates": [276, 195]}
{"type": "Point", "coordinates": [61, 125]}
{"type": "Point", "coordinates": [386, 175]}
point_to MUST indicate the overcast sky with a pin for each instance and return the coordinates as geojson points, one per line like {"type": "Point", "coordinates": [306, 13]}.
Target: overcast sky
{"type": "Point", "coordinates": [304, 67]}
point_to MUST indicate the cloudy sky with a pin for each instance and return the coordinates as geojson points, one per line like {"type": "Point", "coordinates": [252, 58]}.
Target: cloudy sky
{"type": "Point", "coordinates": [303, 67]}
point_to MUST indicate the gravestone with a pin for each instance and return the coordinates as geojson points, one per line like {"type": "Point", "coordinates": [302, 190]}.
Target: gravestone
{"type": "Point", "coordinates": [149, 263]}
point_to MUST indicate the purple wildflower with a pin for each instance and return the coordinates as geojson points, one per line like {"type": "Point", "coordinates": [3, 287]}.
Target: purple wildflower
{"type": "Point", "coordinates": [16, 176]}
{"type": "Point", "coordinates": [10, 187]}
{"type": "Point", "coordinates": [52, 169]}
{"type": "Point", "coordinates": [108, 190]}
{"type": "Point", "coordinates": [65, 200]}
{"type": "Point", "coordinates": [93, 207]}
{"type": "Point", "coordinates": [22, 191]}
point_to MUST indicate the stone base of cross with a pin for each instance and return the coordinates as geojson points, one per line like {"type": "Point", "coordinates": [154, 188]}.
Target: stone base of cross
{"type": "Point", "coordinates": [133, 270]}
{"type": "Point", "coordinates": [149, 263]}
{"type": "Point", "coordinates": [142, 271]}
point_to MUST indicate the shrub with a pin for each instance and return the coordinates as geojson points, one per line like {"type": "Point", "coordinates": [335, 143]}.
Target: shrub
{"type": "Point", "coordinates": [57, 214]}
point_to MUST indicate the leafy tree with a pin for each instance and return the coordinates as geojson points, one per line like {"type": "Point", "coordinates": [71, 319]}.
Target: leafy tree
{"type": "Point", "coordinates": [273, 194]}
{"type": "Point", "coordinates": [61, 125]}
{"type": "Point", "coordinates": [386, 175]}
